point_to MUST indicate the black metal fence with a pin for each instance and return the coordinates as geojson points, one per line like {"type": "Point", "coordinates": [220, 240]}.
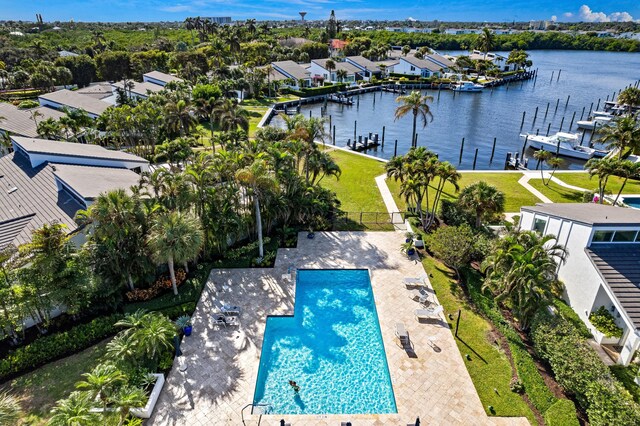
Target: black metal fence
{"type": "Point", "coordinates": [348, 220]}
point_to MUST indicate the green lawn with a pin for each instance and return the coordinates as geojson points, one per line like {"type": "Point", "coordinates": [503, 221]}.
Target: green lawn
{"type": "Point", "coordinates": [40, 389]}
{"type": "Point", "coordinates": [255, 115]}
{"type": "Point", "coordinates": [557, 193]}
{"type": "Point", "coordinates": [267, 102]}
{"type": "Point", "coordinates": [583, 181]}
{"type": "Point", "coordinates": [516, 195]}
{"type": "Point", "coordinates": [489, 367]}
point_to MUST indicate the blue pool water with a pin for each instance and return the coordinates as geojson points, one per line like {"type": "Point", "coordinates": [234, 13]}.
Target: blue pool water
{"type": "Point", "coordinates": [332, 348]}
{"type": "Point", "coordinates": [632, 202]}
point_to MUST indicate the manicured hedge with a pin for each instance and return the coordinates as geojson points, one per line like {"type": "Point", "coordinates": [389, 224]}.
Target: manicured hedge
{"type": "Point", "coordinates": [55, 346]}
{"type": "Point", "coordinates": [570, 315]}
{"type": "Point", "coordinates": [177, 311]}
{"type": "Point", "coordinates": [534, 385]}
{"type": "Point", "coordinates": [317, 91]}
{"type": "Point", "coordinates": [562, 413]}
{"type": "Point", "coordinates": [579, 370]}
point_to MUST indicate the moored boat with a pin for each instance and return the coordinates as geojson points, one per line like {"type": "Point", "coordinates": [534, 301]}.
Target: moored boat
{"type": "Point", "coordinates": [592, 124]}
{"type": "Point", "coordinates": [563, 144]}
{"type": "Point", "coordinates": [467, 86]}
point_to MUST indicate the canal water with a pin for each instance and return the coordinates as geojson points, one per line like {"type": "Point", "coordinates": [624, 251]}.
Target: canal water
{"type": "Point", "coordinates": [480, 117]}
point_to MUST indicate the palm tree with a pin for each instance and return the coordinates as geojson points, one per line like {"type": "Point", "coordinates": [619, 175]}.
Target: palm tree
{"type": "Point", "coordinates": [418, 105]}
{"type": "Point", "coordinates": [486, 41]}
{"type": "Point", "coordinates": [126, 398]}
{"type": "Point", "coordinates": [542, 156]}
{"type": "Point", "coordinates": [330, 65]}
{"type": "Point", "coordinates": [257, 180]}
{"type": "Point", "coordinates": [626, 169]}
{"type": "Point", "coordinates": [484, 199]}
{"type": "Point", "coordinates": [446, 173]}
{"type": "Point", "coordinates": [603, 168]}
{"type": "Point", "coordinates": [102, 381]}
{"type": "Point", "coordinates": [74, 411]}
{"type": "Point", "coordinates": [231, 116]}
{"type": "Point", "coordinates": [321, 164]}
{"type": "Point", "coordinates": [630, 97]}
{"type": "Point", "coordinates": [179, 117]}
{"type": "Point", "coordinates": [10, 411]}
{"type": "Point", "coordinates": [555, 163]}
{"type": "Point", "coordinates": [175, 237]}
{"type": "Point", "coordinates": [150, 332]}
{"type": "Point", "coordinates": [341, 75]}
{"type": "Point", "coordinates": [522, 269]}
{"type": "Point", "coordinates": [624, 133]}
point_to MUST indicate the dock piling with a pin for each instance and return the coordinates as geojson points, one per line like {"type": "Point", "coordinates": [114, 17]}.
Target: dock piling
{"type": "Point", "coordinates": [582, 138]}
{"type": "Point", "coordinates": [559, 72]}
{"type": "Point", "coordinates": [548, 129]}
{"type": "Point", "coordinates": [493, 150]}
{"type": "Point", "coordinates": [461, 150]}
{"type": "Point", "coordinates": [598, 106]}
{"type": "Point", "coordinates": [383, 128]}
{"type": "Point", "coordinates": [582, 115]}
{"type": "Point", "coordinates": [567, 103]}
{"type": "Point", "coordinates": [355, 128]}
{"type": "Point", "coordinates": [395, 148]}
{"type": "Point", "coordinates": [552, 72]}
{"type": "Point", "coordinates": [524, 146]}
{"type": "Point", "coordinates": [557, 103]}
{"type": "Point", "coordinates": [572, 118]}
{"type": "Point", "coordinates": [561, 123]}
{"type": "Point", "coordinates": [547, 111]}
{"type": "Point", "coordinates": [524, 113]}
{"type": "Point", "coordinates": [475, 158]}
{"type": "Point", "coordinates": [334, 134]}
{"type": "Point", "coordinates": [535, 115]}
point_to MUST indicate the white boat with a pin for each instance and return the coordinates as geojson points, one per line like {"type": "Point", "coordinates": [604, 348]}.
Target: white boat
{"type": "Point", "coordinates": [467, 86]}
{"type": "Point", "coordinates": [591, 124]}
{"type": "Point", "coordinates": [602, 114]}
{"type": "Point", "coordinates": [564, 144]}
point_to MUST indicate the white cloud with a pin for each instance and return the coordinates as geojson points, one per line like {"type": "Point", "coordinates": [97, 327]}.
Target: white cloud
{"type": "Point", "coordinates": [586, 14]}
{"type": "Point", "coordinates": [554, 18]}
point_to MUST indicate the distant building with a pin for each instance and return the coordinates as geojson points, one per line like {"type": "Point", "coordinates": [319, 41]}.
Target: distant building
{"type": "Point", "coordinates": [137, 90]}
{"type": "Point", "coordinates": [461, 31]}
{"type": "Point", "coordinates": [49, 181]}
{"type": "Point", "coordinates": [336, 46]}
{"type": "Point", "coordinates": [66, 53]}
{"type": "Point", "coordinates": [367, 68]}
{"type": "Point", "coordinates": [221, 20]}
{"type": "Point", "coordinates": [540, 25]}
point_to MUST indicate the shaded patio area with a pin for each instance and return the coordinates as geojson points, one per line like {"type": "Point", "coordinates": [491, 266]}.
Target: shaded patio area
{"type": "Point", "coordinates": [429, 380]}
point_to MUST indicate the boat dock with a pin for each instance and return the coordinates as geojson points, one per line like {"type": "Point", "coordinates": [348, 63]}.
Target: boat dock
{"type": "Point", "coordinates": [364, 144]}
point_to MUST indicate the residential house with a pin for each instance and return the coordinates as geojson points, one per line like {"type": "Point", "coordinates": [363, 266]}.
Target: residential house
{"type": "Point", "coordinates": [336, 46]}
{"type": "Point", "coordinates": [410, 65]}
{"type": "Point", "coordinates": [137, 90]}
{"type": "Point", "coordinates": [602, 267]}
{"type": "Point", "coordinates": [64, 98]}
{"type": "Point", "coordinates": [319, 71]}
{"type": "Point", "coordinates": [160, 78]}
{"type": "Point", "coordinates": [296, 75]}
{"type": "Point", "coordinates": [23, 122]}
{"type": "Point", "coordinates": [461, 31]}
{"type": "Point", "coordinates": [443, 62]}
{"type": "Point", "coordinates": [48, 181]}
{"type": "Point", "coordinates": [367, 68]}
{"type": "Point", "coordinates": [498, 60]}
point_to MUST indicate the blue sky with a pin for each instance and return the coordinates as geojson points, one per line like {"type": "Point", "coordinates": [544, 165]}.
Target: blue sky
{"type": "Point", "coordinates": [452, 10]}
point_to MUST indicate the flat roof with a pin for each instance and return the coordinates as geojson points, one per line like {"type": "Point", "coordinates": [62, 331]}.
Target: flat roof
{"type": "Point", "coordinates": [20, 121]}
{"type": "Point", "coordinates": [588, 213]}
{"type": "Point", "coordinates": [89, 181]}
{"type": "Point", "coordinates": [76, 100]}
{"type": "Point", "coordinates": [59, 148]}
{"type": "Point", "coordinates": [161, 76]}
{"type": "Point", "coordinates": [619, 267]}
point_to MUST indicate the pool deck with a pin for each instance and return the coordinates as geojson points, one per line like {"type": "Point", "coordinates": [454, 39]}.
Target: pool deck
{"type": "Point", "coordinates": [222, 363]}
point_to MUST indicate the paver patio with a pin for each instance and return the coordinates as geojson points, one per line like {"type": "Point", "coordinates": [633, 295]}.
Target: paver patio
{"type": "Point", "coordinates": [222, 363]}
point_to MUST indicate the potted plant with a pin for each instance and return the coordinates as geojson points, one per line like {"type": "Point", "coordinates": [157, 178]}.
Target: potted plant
{"type": "Point", "coordinates": [418, 242]}
{"type": "Point", "coordinates": [604, 328]}
{"type": "Point", "coordinates": [407, 247]}
{"type": "Point", "coordinates": [310, 234]}
{"type": "Point", "coordinates": [408, 237]}
{"type": "Point", "coordinates": [184, 323]}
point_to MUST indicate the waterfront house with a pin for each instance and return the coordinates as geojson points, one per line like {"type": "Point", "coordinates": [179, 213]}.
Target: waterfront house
{"type": "Point", "coordinates": [297, 75]}
{"type": "Point", "coordinates": [498, 60]}
{"type": "Point", "coordinates": [410, 65]}
{"type": "Point", "coordinates": [602, 268]}
{"type": "Point", "coordinates": [443, 62]}
{"type": "Point", "coordinates": [367, 68]}
{"type": "Point", "coordinates": [49, 181]}
{"type": "Point", "coordinates": [319, 71]}
{"type": "Point", "coordinates": [64, 98]}
{"type": "Point", "coordinates": [336, 46]}
{"type": "Point", "coordinates": [160, 78]}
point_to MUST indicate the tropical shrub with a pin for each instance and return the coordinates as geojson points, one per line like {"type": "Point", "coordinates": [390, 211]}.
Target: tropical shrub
{"type": "Point", "coordinates": [28, 104]}
{"type": "Point", "coordinates": [162, 284]}
{"type": "Point", "coordinates": [50, 348]}
{"type": "Point", "coordinates": [567, 312]}
{"type": "Point", "coordinates": [604, 322]}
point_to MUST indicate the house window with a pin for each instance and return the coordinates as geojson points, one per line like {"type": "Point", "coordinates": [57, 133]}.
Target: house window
{"type": "Point", "coordinates": [624, 236]}
{"type": "Point", "coordinates": [539, 225]}
{"type": "Point", "coordinates": [413, 68]}
{"type": "Point", "coordinates": [602, 236]}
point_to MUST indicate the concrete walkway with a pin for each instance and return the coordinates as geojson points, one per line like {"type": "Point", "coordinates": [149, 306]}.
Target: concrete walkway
{"type": "Point", "coordinates": [524, 181]}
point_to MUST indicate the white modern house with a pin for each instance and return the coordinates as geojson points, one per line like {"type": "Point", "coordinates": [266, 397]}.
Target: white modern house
{"type": "Point", "coordinates": [603, 265]}
{"type": "Point", "coordinates": [160, 78]}
{"type": "Point", "coordinates": [64, 98]}
{"type": "Point", "coordinates": [319, 71]}
{"type": "Point", "coordinates": [297, 75]}
{"type": "Point", "coordinates": [498, 60]}
{"type": "Point", "coordinates": [137, 90]}
{"type": "Point", "coordinates": [410, 65]}
{"type": "Point", "coordinates": [367, 68]}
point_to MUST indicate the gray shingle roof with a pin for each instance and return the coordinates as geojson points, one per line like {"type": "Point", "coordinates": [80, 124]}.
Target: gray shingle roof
{"type": "Point", "coordinates": [422, 64]}
{"type": "Point", "coordinates": [161, 76]}
{"type": "Point", "coordinates": [364, 63]}
{"type": "Point", "coordinates": [35, 202]}
{"type": "Point", "coordinates": [141, 88]}
{"type": "Point", "coordinates": [588, 213]}
{"type": "Point", "coordinates": [440, 59]}
{"type": "Point", "coordinates": [97, 90]}
{"type": "Point", "coordinates": [19, 121]}
{"type": "Point", "coordinates": [349, 68]}
{"type": "Point", "coordinates": [292, 69]}
{"type": "Point", "coordinates": [619, 267]}
{"type": "Point", "coordinates": [70, 149]}
{"type": "Point", "coordinates": [76, 101]}
{"type": "Point", "coordinates": [89, 182]}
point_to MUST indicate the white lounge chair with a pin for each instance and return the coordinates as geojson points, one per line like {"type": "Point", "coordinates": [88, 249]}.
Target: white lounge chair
{"type": "Point", "coordinates": [430, 313]}
{"type": "Point", "coordinates": [402, 334]}
{"type": "Point", "coordinates": [415, 281]}
{"type": "Point", "coordinates": [420, 295]}
{"type": "Point", "coordinates": [219, 319]}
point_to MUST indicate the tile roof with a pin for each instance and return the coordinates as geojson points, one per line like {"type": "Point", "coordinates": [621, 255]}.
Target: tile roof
{"type": "Point", "coordinates": [588, 213]}
{"type": "Point", "coordinates": [35, 202]}
{"type": "Point", "coordinates": [89, 181]}
{"type": "Point", "coordinates": [140, 88]}
{"type": "Point", "coordinates": [619, 267]}
{"type": "Point", "coordinates": [19, 121]}
{"type": "Point", "coordinates": [76, 100]}
{"type": "Point", "coordinates": [338, 44]}
{"type": "Point", "coordinates": [292, 69]}
{"type": "Point", "coordinates": [161, 76]}
{"type": "Point", "coordinates": [59, 148]}
{"type": "Point", "coordinates": [420, 63]}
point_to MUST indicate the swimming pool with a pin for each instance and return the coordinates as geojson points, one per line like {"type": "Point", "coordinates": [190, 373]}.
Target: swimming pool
{"type": "Point", "coordinates": [331, 347]}
{"type": "Point", "coordinates": [632, 202]}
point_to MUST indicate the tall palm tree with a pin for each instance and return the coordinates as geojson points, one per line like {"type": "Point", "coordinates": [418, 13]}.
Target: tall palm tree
{"type": "Point", "coordinates": [257, 179]}
{"type": "Point", "coordinates": [175, 237]}
{"type": "Point", "coordinates": [341, 75]}
{"type": "Point", "coordinates": [624, 133]}
{"type": "Point", "coordinates": [102, 381]}
{"type": "Point", "coordinates": [522, 270]}
{"type": "Point", "coordinates": [630, 97]}
{"type": "Point", "coordinates": [542, 156]}
{"type": "Point", "coordinates": [446, 173]}
{"type": "Point", "coordinates": [555, 163]}
{"type": "Point", "coordinates": [179, 117]}
{"type": "Point", "coordinates": [330, 65]}
{"type": "Point", "coordinates": [231, 116]}
{"type": "Point", "coordinates": [74, 411]}
{"type": "Point", "coordinates": [417, 104]}
{"type": "Point", "coordinates": [486, 41]}
{"type": "Point", "coordinates": [207, 108]}
{"type": "Point", "coordinates": [603, 168]}
{"type": "Point", "coordinates": [10, 410]}
{"type": "Point", "coordinates": [484, 199]}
